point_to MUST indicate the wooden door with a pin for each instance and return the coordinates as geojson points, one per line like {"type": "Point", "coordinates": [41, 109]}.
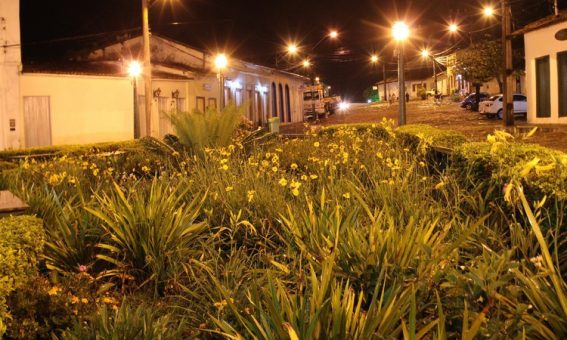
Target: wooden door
{"type": "Point", "coordinates": [37, 121]}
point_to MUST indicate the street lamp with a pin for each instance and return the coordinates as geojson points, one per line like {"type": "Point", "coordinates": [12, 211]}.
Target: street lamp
{"type": "Point", "coordinates": [292, 49]}
{"type": "Point", "coordinates": [374, 59]}
{"type": "Point", "coordinates": [306, 63]}
{"type": "Point", "coordinates": [333, 34]}
{"type": "Point", "coordinates": [400, 33]}
{"type": "Point", "coordinates": [134, 71]}
{"type": "Point", "coordinates": [488, 11]}
{"type": "Point", "coordinates": [221, 62]}
{"type": "Point", "coordinates": [453, 28]}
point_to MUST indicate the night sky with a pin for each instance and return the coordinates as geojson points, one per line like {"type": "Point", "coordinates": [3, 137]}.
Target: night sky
{"type": "Point", "coordinates": [258, 30]}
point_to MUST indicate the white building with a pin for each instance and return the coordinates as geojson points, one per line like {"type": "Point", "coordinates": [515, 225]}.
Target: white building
{"type": "Point", "coordinates": [10, 66]}
{"type": "Point", "coordinates": [546, 69]}
{"type": "Point", "coordinates": [92, 99]}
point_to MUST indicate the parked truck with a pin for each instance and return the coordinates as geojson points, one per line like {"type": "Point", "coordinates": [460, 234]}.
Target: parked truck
{"type": "Point", "coordinates": [317, 101]}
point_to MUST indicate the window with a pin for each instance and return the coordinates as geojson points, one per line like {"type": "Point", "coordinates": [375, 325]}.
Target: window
{"type": "Point", "coordinates": [543, 88]}
{"type": "Point", "coordinates": [562, 77]}
{"type": "Point", "coordinates": [200, 104]}
{"type": "Point", "coordinates": [212, 105]}
{"type": "Point", "coordinates": [519, 98]}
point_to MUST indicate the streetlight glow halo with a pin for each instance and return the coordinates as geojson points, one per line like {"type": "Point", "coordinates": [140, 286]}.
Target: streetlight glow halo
{"type": "Point", "coordinates": [221, 61]}
{"type": "Point", "coordinates": [400, 31]}
{"type": "Point", "coordinates": [134, 69]}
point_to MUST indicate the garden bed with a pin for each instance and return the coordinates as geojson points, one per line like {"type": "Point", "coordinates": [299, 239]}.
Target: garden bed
{"type": "Point", "coordinates": [350, 232]}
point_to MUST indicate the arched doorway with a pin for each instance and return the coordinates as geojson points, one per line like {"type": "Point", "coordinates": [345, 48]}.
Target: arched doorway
{"type": "Point", "coordinates": [281, 101]}
{"type": "Point", "coordinates": [274, 101]}
{"type": "Point", "coordinates": [287, 103]}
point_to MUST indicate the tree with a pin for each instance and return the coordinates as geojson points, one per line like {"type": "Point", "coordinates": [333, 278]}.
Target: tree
{"type": "Point", "coordinates": [480, 62]}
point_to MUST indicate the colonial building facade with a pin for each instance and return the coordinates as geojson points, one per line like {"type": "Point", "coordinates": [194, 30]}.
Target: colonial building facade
{"type": "Point", "coordinates": [546, 69]}
{"type": "Point", "coordinates": [91, 98]}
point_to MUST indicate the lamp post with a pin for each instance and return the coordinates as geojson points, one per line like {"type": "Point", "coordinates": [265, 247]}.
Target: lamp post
{"type": "Point", "coordinates": [507, 85]}
{"type": "Point", "coordinates": [221, 62]}
{"type": "Point", "coordinates": [400, 32]}
{"type": "Point", "coordinates": [134, 71]}
{"type": "Point", "coordinates": [374, 59]}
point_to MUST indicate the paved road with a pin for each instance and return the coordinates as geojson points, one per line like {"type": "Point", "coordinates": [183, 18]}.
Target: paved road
{"type": "Point", "coordinates": [446, 115]}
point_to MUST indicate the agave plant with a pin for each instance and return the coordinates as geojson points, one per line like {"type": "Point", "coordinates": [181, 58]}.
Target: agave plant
{"type": "Point", "coordinates": [149, 232]}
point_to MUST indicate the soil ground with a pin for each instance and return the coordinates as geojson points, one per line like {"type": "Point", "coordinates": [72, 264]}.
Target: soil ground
{"type": "Point", "coordinates": [446, 116]}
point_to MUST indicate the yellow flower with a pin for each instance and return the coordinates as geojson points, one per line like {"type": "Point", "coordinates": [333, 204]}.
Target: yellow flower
{"type": "Point", "coordinates": [145, 169]}
{"type": "Point", "coordinates": [283, 182]}
{"type": "Point", "coordinates": [293, 166]}
{"type": "Point", "coordinates": [250, 195]}
{"type": "Point", "coordinates": [229, 189]}
{"type": "Point", "coordinates": [316, 144]}
{"type": "Point", "coordinates": [313, 176]}
{"type": "Point", "coordinates": [275, 169]}
{"type": "Point", "coordinates": [295, 192]}
{"type": "Point", "coordinates": [224, 167]}
{"type": "Point", "coordinates": [84, 301]}
{"type": "Point", "coordinates": [304, 177]}
{"type": "Point", "coordinates": [346, 195]}
{"type": "Point", "coordinates": [74, 299]}
{"type": "Point", "coordinates": [54, 291]}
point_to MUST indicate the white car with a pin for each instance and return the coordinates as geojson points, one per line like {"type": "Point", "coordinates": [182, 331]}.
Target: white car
{"type": "Point", "coordinates": [493, 106]}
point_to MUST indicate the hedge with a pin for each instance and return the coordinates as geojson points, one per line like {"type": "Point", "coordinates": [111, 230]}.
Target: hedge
{"type": "Point", "coordinates": [21, 244]}
{"type": "Point", "coordinates": [68, 149]}
{"type": "Point", "coordinates": [542, 171]}
{"type": "Point", "coordinates": [418, 134]}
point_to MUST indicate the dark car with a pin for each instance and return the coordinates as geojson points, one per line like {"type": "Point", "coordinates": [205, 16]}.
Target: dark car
{"type": "Point", "coordinates": [470, 101]}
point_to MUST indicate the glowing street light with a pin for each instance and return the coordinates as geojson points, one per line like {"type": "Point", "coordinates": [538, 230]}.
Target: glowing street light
{"type": "Point", "coordinates": [374, 58]}
{"type": "Point", "coordinates": [292, 49]}
{"type": "Point", "coordinates": [333, 34]}
{"type": "Point", "coordinates": [306, 63]}
{"type": "Point", "coordinates": [400, 31]}
{"type": "Point", "coordinates": [425, 53]}
{"type": "Point", "coordinates": [453, 28]}
{"type": "Point", "coordinates": [134, 69]}
{"type": "Point", "coordinates": [488, 11]}
{"type": "Point", "coordinates": [221, 62]}
{"type": "Point", "coordinates": [317, 79]}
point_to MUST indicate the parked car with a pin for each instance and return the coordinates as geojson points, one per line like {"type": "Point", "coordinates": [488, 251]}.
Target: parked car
{"type": "Point", "coordinates": [470, 101]}
{"type": "Point", "coordinates": [493, 106]}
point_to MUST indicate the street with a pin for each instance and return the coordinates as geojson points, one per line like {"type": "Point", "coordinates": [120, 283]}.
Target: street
{"type": "Point", "coordinates": [447, 115]}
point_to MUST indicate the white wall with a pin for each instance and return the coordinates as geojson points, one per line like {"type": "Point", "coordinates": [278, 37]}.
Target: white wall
{"type": "Point", "coordinates": [538, 44]}
{"type": "Point", "coordinates": [10, 65]}
{"type": "Point", "coordinates": [84, 109]}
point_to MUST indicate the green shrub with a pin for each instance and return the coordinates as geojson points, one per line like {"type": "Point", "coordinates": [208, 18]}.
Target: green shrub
{"type": "Point", "coordinates": [381, 130]}
{"type": "Point", "coordinates": [417, 135]}
{"type": "Point", "coordinates": [21, 244]}
{"type": "Point", "coordinates": [200, 130]}
{"type": "Point", "coordinates": [50, 151]}
{"type": "Point", "coordinates": [542, 171]}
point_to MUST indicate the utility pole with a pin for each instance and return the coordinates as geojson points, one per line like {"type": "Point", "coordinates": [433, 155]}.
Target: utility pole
{"type": "Point", "coordinates": [507, 98]}
{"type": "Point", "coordinates": [556, 8]}
{"type": "Point", "coordinates": [434, 78]}
{"type": "Point", "coordinates": [147, 67]}
{"type": "Point", "coordinates": [401, 85]}
{"type": "Point", "coordinates": [385, 80]}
